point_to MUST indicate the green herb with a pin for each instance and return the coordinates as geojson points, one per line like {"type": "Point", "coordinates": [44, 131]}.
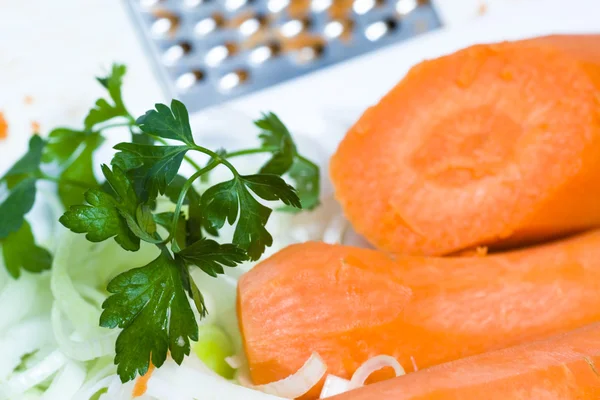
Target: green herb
{"type": "Point", "coordinates": [103, 110]}
{"type": "Point", "coordinates": [105, 216]}
{"type": "Point", "coordinates": [151, 306]}
{"type": "Point", "coordinates": [211, 256]}
{"type": "Point", "coordinates": [151, 303]}
{"type": "Point", "coordinates": [20, 252]}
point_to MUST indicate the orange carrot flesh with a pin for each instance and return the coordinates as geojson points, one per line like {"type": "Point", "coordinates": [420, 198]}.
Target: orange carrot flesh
{"type": "Point", "coordinates": [564, 367]}
{"type": "Point", "coordinates": [495, 145]}
{"type": "Point", "coordinates": [350, 304]}
{"type": "Point", "coordinates": [141, 384]}
{"type": "Point", "coordinates": [3, 127]}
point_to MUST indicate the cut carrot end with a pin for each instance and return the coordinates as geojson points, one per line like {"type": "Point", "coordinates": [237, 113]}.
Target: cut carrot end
{"type": "Point", "coordinates": [493, 145]}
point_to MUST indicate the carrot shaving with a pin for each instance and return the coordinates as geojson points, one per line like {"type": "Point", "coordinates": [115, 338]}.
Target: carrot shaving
{"type": "Point", "coordinates": [141, 384]}
{"type": "Point", "coordinates": [3, 127]}
{"type": "Point", "coordinates": [35, 126]}
{"type": "Point", "coordinates": [28, 100]}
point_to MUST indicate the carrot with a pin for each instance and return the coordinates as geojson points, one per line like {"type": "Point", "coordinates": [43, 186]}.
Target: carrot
{"type": "Point", "coordinates": [563, 367]}
{"type": "Point", "coordinates": [350, 304]}
{"type": "Point", "coordinates": [141, 384]}
{"type": "Point", "coordinates": [493, 145]}
{"type": "Point", "coordinates": [3, 127]}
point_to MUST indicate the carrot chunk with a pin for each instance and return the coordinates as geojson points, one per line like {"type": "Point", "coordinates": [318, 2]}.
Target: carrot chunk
{"type": "Point", "coordinates": [564, 367]}
{"type": "Point", "coordinates": [495, 145]}
{"type": "Point", "coordinates": [350, 304]}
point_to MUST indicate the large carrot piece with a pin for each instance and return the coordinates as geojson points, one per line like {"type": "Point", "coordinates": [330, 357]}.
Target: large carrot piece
{"type": "Point", "coordinates": [564, 367]}
{"type": "Point", "coordinates": [493, 145]}
{"type": "Point", "coordinates": [350, 304]}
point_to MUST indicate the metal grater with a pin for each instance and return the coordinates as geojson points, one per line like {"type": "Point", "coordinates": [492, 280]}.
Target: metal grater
{"type": "Point", "coordinates": [209, 51]}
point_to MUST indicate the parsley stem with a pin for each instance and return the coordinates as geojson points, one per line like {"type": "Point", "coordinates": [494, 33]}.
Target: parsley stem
{"type": "Point", "coordinates": [71, 182]}
{"type": "Point", "coordinates": [186, 158]}
{"type": "Point", "coordinates": [115, 125]}
{"type": "Point", "coordinates": [218, 158]}
{"type": "Point", "coordinates": [186, 186]}
{"type": "Point", "coordinates": [246, 152]}
{"type": "Point", "coordinates": [307, 161]}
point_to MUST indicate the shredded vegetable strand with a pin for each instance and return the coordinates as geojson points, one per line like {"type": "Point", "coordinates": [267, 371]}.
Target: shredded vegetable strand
{"type": "Point", "coordinates": [81, 350]}
{"type": "Point", "coordinates": [374, 364]}
{"type": "Point", "coordinates": [21, 291]}
{"type": "Point", "coordinates": [24, 338]}
{"type": "Point", "coordinates": [334, 385]}
{"type": "Point", "coordinates": [298, 383]}
{"type": "Point", "coordinates": [23, 381]}
{"type": "Point", "coordinates": [66, 383]}
{"type": "Point", "coordinates": [82, 314]}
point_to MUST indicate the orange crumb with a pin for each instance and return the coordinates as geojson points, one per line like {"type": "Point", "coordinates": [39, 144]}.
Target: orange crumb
{"type": "Point", "coordinates": [3, 127]}
{"type": "Point", "coordinates": [35, 126]}
{"type": "Point", "coordinates": [28, 99]}
{"type": "Point", "coordinates": [141, 385]}
{"type": "Point", "coordinates": [482, 9]}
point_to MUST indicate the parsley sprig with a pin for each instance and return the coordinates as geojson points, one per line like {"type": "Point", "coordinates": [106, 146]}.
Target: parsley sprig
{"type": "Point", "coordinates": [151, 304]}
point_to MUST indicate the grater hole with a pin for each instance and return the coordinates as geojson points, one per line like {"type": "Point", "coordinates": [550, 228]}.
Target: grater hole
{"type": "Point", "coordinates": [405, 7]}
{"type": "Point", "coordinates": [189, 79]}
{"type": "Point", "coordinates": [166, 23]}
{"type": "Point", "coordinates": [339, 29]}
{"type": "Point", "coordinates": [277, 6]}
{"type": "Point", "coordinates": [310, 52]}
{"type": "Point", "coordinates": [379, 29]}
{"type": "Point", "coordinates": [233, 79]}
{"type": "Point", "coordinates": [176, 52]}
{"type": "Point", "coordinates": [234, 5]}
{"type": "Point", "coordinates": [264, 53]}
{"type": "Point", "coordinates": [294, 27]}
{"type": "Point", "coordinates": [320, 5]}
{"type": "Point", "coordinates": [218, 54]}
{"type": "Point", "coordinates": [208, 25]}
{"type": "Point", "coordinates": [251, 25]}
{"type": "Point", "coordinates": [361, 7]}
{"type": "Point", "coordinates": [149, 3]}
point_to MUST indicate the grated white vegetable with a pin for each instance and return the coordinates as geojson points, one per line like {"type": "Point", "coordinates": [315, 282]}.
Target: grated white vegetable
{"type": "Point", "coordinates": [300, 382]}
{"type": "Point", "coordinates": [373, 364]}
{"type": "Point", "coordinates": [334, 385]}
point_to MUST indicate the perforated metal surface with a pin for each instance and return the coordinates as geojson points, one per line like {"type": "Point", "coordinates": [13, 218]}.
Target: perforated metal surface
{"type": "Point", "coordinates": [208, 51]}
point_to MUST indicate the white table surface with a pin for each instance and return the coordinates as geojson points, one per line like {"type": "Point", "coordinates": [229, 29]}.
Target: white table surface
{"type": "Point", "coordinates": [51, 50]}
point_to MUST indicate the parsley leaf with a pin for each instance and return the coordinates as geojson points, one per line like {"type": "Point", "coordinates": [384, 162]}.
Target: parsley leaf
{"type": "Point", "coordinates": [306, 178]}
{"type": "Point", "coordinates": [211, 256]}
{"type": "Point", "coordinates": [103, 110]}
{"type": "Point", "coordinates": [102, 218]}
{"type": "Point", "coordinates": [80, 170]}
{"type": "Point", "coordinates": [226, 200]}
{"type": "Point", "coordinates": [168, 123]}
{"type": "Point", "coordinates": [275, 134]}
{"type": "Point", "coordinates": [28, 165]}
{"type": "Point", "coordinates": [158, 165]}
{"type": "Point", "coordinates": [152, 308]}
{"type": "Point", "coordinates": [20, 181]}
{"type": "Point", "coordinates": [16, 205]}
{"type": "Point", "coordinates": [20, 252]}
{"type": "Point", "coordinates": [286, 159]}
{"type": "Point", "coordinates": [62, 143]}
